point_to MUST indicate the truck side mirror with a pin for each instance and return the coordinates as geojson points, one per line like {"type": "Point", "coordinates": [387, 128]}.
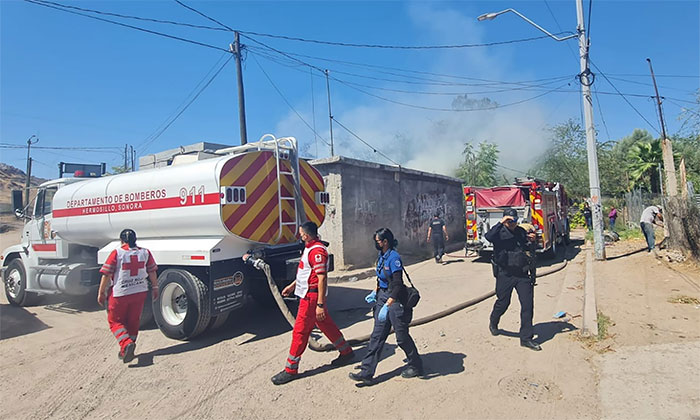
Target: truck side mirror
{"type": "Point", "coordinates": [18, 203]}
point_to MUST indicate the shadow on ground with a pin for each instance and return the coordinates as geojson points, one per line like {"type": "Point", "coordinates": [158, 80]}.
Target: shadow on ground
{"type": "Point", "coordinates": [256, 321]}
{"type": "Point", "coordinates": [18, 321]}
{"type": "Point", "coordinates": [545, 331]}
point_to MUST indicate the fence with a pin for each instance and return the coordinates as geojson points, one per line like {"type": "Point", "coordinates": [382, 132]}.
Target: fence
{"type": "Point", "coordinates": [635, 203]}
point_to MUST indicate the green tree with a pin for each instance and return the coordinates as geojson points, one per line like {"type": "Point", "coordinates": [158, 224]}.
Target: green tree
{"type": "Point", "coordinates": [479, 166]}
{"type": "Point", "coordinates": [643, 160]}
{"type": "Point", "coordinates": [564, 160]}
{"type": "Point", "coordinates": [613, 164]}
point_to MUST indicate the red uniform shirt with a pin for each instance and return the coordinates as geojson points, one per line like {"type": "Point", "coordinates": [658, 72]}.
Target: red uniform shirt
{"type": "Point", "coordinates": [318, 261]}
{"type": "Point", "coordinates": [110, 266]}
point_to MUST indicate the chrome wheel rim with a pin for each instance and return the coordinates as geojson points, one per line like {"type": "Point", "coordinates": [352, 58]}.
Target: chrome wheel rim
{"type": "Point", "coordinates": [173, 304]}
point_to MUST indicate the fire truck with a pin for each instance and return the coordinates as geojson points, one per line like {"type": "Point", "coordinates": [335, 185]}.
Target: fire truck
{"type": "Point", "coordinates": [197, 218]}
{"type": "Point", "coordinates": [542, 204]}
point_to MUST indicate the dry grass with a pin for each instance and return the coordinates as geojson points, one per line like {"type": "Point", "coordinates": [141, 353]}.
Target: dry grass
{"type": "Point", "coordinates": [683, 299]}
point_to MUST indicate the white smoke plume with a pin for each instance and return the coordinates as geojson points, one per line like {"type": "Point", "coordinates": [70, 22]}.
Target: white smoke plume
{"type": "Point", "coordinates": [428, 140]}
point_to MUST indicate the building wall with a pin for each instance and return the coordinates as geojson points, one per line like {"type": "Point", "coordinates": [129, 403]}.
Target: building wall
{"type": "Point", "coordinates": [373, 196]}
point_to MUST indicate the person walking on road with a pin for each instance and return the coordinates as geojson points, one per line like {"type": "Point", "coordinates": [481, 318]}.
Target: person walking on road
{"type": "Point", "coordinates": [588, 215]}
{"type": "Point", "coordinates": [390, 311]}
{"type": "Point", "coordinates": [311, 287]}
{"type": "Point", "coordinates": [612, 217]}
{"type": "Point", "coordinates": [512, 268]}
{"type": "Point", "coordinates": [126, 273]}
{"type": "Point", "coordinates": [437, 234]}
{"type": "Point", "coordinates": [652, 215]}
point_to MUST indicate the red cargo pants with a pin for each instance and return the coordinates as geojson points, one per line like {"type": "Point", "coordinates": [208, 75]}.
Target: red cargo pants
{"type": "Point", "coordinates": [124, 317]}
{"type": "Point", "coordinates": [305, 322]}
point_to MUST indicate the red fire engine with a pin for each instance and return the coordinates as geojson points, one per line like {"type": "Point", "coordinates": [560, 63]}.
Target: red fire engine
{"type": "Point", "coordinates": [542, 204]}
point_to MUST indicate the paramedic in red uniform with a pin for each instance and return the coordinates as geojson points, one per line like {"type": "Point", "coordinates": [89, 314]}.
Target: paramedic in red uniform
{"type": "Point", "coordinates": [311, 287]}
{"type": "Point", "coordinates": [126, 273]}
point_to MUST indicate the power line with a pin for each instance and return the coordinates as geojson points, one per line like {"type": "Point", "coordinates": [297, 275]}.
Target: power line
{"type": "Point", "coordinates": [447, 109]}
{"type": "Point", "coordinates": [225, 27]}
{"type": "Point", "coordinates": [374, 66]}
{"type": "Point", "coordinates": [365, 143]}
{"type": "Point", "coordinates": [423, 80]}
{"type": "Point", "coordinates": [656, 75]}
{"type": "Point", "coordinates": [79, 148]}
{"type": "Point", "coordinates": [203, 15]}
{"type": "Point", "coordinates": [624, 97]}
{"type": "Point", "coordinates": [568, 45]}
{"type": "Point", "coordinates": [600, 111]}
{"type": "Point", "coordinates": [201, 44]}
{"type": "Point", "coordinates": [144, 19]}
{"type": "Point", "coordinates": [287, 101]}
{"type": "Point", "coordinates": [153, 137]}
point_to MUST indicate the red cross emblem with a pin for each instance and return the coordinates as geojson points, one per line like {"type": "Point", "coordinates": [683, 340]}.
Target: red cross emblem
{"type": "Point", "coordinates": [133, 265]}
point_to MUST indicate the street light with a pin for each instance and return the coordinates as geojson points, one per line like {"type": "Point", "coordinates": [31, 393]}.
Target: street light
{"type": "Point", "coordinates": [584, 77]}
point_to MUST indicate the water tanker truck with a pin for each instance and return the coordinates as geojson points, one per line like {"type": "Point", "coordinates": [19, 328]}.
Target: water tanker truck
{"type": "Point", "coordinates": [198, 219]}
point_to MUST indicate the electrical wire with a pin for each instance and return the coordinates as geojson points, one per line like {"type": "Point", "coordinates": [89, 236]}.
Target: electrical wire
{"type": "Point", "coordinates": [287, 101]}
{"type": "Point", "coordinates": [374, 66]}
{"type": "Point", "coordinates": [204, 16]}
{"type": "Point", "coordinates": [600, 112]}
{"type": "Point", "coordinates": [153, 137]}
{"type": "Point", "coordinates": [190, 41]}
{"type": "Point", "coordinates": [374, 149]}
{"type": "Point", "coordinates": [448, 109]}
{"type": "Point", "coordinates": [625, 98]}
{"type": "Point", "coordinates": [556, 21]}
{"type": "Point", "coordinates": [422, 80]}
{"type": "Point", "coordinates": [144, 19]}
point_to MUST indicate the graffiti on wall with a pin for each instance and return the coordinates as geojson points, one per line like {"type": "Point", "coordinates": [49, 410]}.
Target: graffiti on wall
{"type": "Point", "coordinates": [420, 210]}
{"type": "Point", "coordinates": [366, 212]}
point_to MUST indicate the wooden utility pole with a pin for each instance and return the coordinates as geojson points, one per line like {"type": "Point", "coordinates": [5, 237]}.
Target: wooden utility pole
{"type": "Point", "coordinates": [684, 179]}
{"type": "Point", "coordinates": [330, 113]}
{"type": "Point", "coordinates": [666, 147]}
{"type": "Point", "coordinates": [236, 50]}
{"type": "Point", "coordinates": [29, 169]}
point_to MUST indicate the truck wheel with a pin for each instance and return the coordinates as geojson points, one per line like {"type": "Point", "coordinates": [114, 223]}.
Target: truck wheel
{"type": "Point", "coordinates": [552, 253]}
{"type": "Point", "coordinates": [182, 310]}
{"type": "Point", "coordinates": [15, 284]}
{"type": "Point", "coordinates": [217, 321]}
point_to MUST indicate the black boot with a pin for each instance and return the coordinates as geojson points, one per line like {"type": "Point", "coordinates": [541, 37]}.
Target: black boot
{"type": "Point", "coordinates": [494, 329]}
{"type": "Point", "coordinates": [283, 377]}
{"type": "Point", "coordinates": [531, 344]}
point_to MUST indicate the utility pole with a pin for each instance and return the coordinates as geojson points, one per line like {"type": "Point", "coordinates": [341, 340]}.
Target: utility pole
{"type": "Point", "coordinates": [29, 169]}
{"type": "Point", "coordinates": [591, 145]}
{"type": "Point", "coordinates": [236, 50]}
{"type": "Point", "coordinates": [330, 114]}
{"type": "Point", "coordinates": [133, 159]}
{"type": "Point", "coordinates": [126, 158]}
{"type": "Point", "coordinates": [666, 147]}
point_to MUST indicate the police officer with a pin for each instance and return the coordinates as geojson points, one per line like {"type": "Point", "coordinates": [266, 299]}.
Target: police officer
{"type": "Point", "coordinates": [437, 234]}
{"type": "Point", "coordinates": [511, 243]}
{"type": "Point", "coordinates": [390, 310]}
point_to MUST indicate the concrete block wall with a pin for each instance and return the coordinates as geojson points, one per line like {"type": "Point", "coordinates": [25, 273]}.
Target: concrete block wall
{"type": "Point", "coordinates": [366, 196]}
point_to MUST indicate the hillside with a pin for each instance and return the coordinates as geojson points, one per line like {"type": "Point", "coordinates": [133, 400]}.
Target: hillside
{"type": "Point", "coordinates": [12, 178]}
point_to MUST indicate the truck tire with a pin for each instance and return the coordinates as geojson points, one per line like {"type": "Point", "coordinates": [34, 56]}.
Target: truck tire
{"type": "Point", "coordinates": [146, 314]}
{"type": "Point", "coordinates": [217, 321]}
{"type": "Point", "coordinates": [552, 252]}
{"type": "Point", "coordinates": [15, 280]}
{"type": "Point", "coordinates": [182, 310]}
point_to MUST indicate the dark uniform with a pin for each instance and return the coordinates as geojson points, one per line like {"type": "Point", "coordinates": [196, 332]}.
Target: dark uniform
{"type": "Point", "coordinates": [390, 284]}
{"type": "Point", "coordinates": [512, 270]}
{"type": "Point", "coordinates": [437, 237]}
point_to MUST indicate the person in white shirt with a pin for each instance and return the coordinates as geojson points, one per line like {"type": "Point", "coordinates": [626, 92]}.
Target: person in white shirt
{"type": "Point", "coordinates": [652, 215]}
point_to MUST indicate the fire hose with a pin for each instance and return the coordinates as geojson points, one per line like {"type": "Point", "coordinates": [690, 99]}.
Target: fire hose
{"type": "Point", "coordinates": [260, 264]}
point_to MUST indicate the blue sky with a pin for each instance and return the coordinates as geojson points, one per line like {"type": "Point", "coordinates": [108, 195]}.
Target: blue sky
{"type": "Point", "coordinates": [77, 82]}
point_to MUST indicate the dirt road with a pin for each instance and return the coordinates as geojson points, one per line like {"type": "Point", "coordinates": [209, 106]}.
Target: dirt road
{"type": "Point", "coordinates": [58, 360]}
